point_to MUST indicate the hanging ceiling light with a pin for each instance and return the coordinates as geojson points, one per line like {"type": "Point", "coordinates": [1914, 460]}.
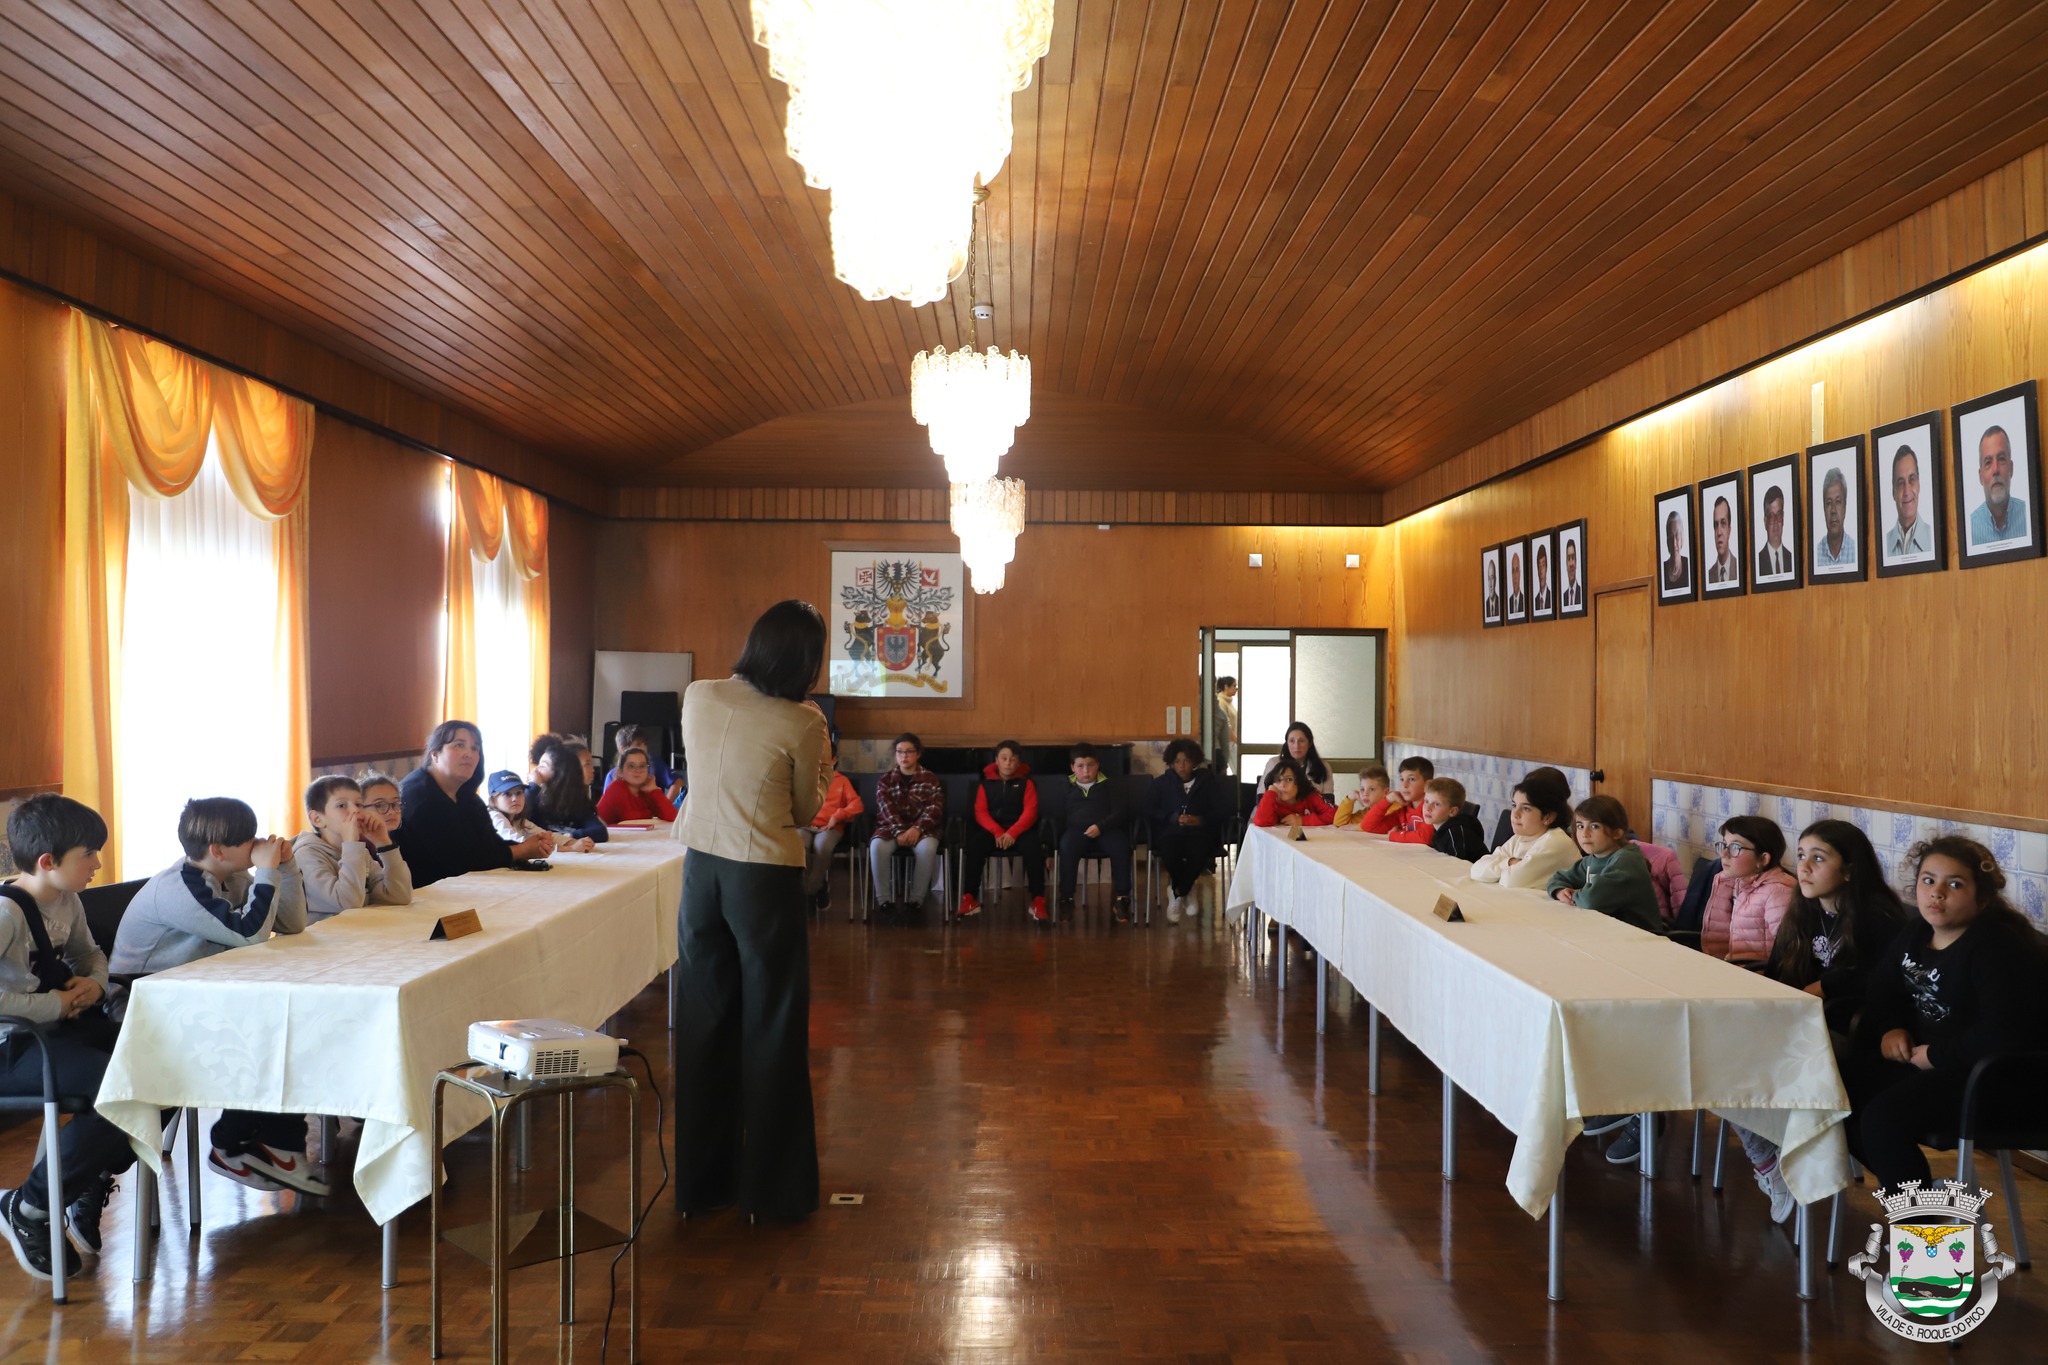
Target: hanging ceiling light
{"type": "Point", "coordinates": [896, 107]}
{"type": "Point", "coordinates": [971, 401]}
{"type": "Point", "coordinates": [988, 516]}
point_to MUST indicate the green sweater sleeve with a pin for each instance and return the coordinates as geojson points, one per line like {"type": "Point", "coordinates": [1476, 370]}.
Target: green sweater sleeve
{"type": "Point", "coordinates": [1570, 877]}
{"type": "Point", "coordinates": [1624, 890]}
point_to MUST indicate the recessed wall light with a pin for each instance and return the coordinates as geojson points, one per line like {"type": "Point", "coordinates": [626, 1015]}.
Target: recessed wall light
{"type": "Point", "coordinates": [1258, 561]}
{"type": "Point", "coordinates": [1350, 561]}
{"type": "Point", "coordinates": [1102, 526]}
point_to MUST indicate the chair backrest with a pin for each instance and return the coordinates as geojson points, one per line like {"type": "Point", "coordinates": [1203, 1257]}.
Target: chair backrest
{"type": "Point", "coordinates": [960, 797]}
{"type": "Point", "coordinates": [1052, 799]}
{"type": "Point", "coordinates": [1693, 914]}
{"type": "Point", "coordinates": [1503, 829]}
{"type": "Point", "coordinates": [104, 907]}
{"type": "Point", "coordinates": [1137, 791]}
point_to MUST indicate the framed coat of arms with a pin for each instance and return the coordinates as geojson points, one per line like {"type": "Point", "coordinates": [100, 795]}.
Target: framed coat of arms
{"type": "Point", "coordinates": [898, 624]}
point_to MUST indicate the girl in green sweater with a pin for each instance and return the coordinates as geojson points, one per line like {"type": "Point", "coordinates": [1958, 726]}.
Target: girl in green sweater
{"type": "Point", "coordinates": [1613, 877]}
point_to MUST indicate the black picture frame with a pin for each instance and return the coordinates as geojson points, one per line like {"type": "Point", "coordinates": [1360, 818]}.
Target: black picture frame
{"type": "Point", "coordinates": [1823, 463]}
{"type": "Point", "coordinates": [2007, 408]}
{"type": "Point", "coordinates": [1543, 575]}
{"type": "Point", "coordinates": [1677, 501]}
{"type": "Point", "coordinates": [1714, 581]}
{"type": "Point", "coordinates": [1920, 437]}
{"type": "Point", "coordinates": [1573, 533]}
{"type": "Point", "coordinates": [1782, 476]}
{"type": "Point", "coordinates": [1515, 568]}
{"type": "Point", "coordinates": [1490, 558]}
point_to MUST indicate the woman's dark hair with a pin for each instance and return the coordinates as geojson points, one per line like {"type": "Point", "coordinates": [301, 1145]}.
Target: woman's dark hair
{"type": "Point", "coordinates": [540, 746]}
{"type": "Point", "coordinates": [1867, 894]}
{"type": "Point", "coordinates": [1547, 790]}
{"type": "Point", "coordinates": [1765, 834]}
{"type": "Point", "coordinates": [907, 738]}
{"type": "Point", "coordinates": [1312, 764]}
{"type": "Point", "coordinates": [445, 733]}
{"type": "Point", "coordinates": [785, 650]}
{"type": "Point", "coordinates": [1183, 746]}
{"type": "Point", "coordinates": [1285, 764]}
{"type": "Point", "coordinates": [564, 795]}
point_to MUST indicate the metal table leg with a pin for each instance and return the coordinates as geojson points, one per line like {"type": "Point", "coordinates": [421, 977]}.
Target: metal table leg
{"type": "Point", "coordinates": [1280, 952]}
{"type": "Point", "coordinates": [1372, 1049]}
{"type": "Point", "coordinates": [1720, 1150]}
{"type": "Point", "coordinates": [1646, 1145]}
{"type": "Point", "coordinates": [1322, 991]}
{"type": "Point", "coordinates": [2014, 1222]}
{"type": "Point", "coordinates": [1699, 1132]}
{"type": "Point", "coordinates": [1450, 1129]}
{"type": "Point", "coordinates": [1835, 1227]}
{"type": "Point", "coordinates": [1557, 1240]}
{"type": "Point", "coordinates": [434, 1235]}
{"type": "Point", "coordinates": [499, 1197]}
{"type": "Point", "coordinates": [143, 1196]}
{"type": "Point", "coordinates": [565, 1196]}
{"type": "Point", "coordinates": [192, 1168]}
{"type": "Point", "coordinates": [391, 1254]}
{"type": "Point", "coordinates": [1809, 1253]}
{"type": "Point", "coordinates": [522, 1140]}
{"type": "Point", "coordinates": [633, 1222]}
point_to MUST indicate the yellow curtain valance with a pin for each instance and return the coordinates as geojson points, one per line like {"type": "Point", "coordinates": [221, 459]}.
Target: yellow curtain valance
{"type": "Point", "coordinates": [139, 413]}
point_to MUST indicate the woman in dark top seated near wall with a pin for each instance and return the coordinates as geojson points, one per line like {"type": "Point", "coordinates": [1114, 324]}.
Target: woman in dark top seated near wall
{"type": "Point", "coordinates": [446, 830]}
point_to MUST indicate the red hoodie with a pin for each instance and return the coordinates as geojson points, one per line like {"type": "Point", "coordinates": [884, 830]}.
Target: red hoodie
{"type": "Point", "coordinates": [1025, 821]}
{"type": "Point", "coordinates": [1396, 822]}
{"type": "Point", "coordinates": [1313, 809]}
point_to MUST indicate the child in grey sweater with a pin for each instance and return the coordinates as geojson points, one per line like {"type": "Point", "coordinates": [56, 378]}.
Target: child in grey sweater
{"type": "Point", "coordinates": [230, 890]}
{"type": "Point", "coordinates": [348, 858]}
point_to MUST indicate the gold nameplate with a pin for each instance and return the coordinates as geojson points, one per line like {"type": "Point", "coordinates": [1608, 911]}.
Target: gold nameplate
{"type": "Point", "coordinates": [1447, 910]}
{"type": "Point", "coordinates": [460, 924]}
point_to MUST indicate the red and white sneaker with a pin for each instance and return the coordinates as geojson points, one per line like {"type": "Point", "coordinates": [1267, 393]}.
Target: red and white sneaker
{"type": "Point", "coordinates": [264, 1168]}
{"type": "Point", "coordinates": [1038, 910]}
{"type": "Point", "coordinates": [969, 907]}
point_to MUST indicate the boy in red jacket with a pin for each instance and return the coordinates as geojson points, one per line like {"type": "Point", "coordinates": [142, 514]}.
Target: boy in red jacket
{"type": "Point", "coordinates": [1401, 810]}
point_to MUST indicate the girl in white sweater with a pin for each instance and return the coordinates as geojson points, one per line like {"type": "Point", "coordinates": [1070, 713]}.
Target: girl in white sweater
{"type": "Point", "coordinates": [1541, 843]}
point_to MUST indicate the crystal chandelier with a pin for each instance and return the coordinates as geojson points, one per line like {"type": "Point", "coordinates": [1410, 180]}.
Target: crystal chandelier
{"type": "Point", "coordinates": [896, 107]}
{"type": "Point", "coordinates": [972, 401]}
{"type": "Point", "coordinates": [988, 516]}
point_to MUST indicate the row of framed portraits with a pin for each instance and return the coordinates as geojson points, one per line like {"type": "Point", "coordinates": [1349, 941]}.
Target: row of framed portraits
{"type": "Point", "coordinates": [1761, 536]}
{"type": "Point", "coordinates": [1540, 577]}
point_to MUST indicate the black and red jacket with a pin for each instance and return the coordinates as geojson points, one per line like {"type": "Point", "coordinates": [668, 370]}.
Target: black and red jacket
{"type": "Point", "coordinates": [1006, 805]}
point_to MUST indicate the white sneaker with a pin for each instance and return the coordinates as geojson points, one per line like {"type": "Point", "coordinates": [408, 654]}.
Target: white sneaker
{"type": "Point", "coordinates": [1772, 1183]}
{"type": "Point", "coordinates": [1173, 911]}
{"type": "Point", "coordinates": [268, 1169]}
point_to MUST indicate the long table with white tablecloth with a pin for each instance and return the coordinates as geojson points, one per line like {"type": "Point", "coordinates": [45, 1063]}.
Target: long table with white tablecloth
{"type": "Point", "coordinates": [1546, 1014]}
{"type": "Point", "coordinates": [357, 1015]}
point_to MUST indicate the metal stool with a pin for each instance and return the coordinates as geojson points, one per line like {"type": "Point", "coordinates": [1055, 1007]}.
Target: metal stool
{"type": "Point", "coordinates": [560, 1234]}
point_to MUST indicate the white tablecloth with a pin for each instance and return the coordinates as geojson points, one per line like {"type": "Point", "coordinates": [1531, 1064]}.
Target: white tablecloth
{"type": "Point", "coordinates": [1546, 1014]}
{"type": "Point", "coordinates": [356, 1015]}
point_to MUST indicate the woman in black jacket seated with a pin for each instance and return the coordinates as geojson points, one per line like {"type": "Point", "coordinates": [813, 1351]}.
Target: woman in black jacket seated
{"type": "Point", "coordinates": [445, 829]}
{"type": "Point", "coordinates": [561, 801]}
{"type": "Point", "coordinates": [1185, 811]}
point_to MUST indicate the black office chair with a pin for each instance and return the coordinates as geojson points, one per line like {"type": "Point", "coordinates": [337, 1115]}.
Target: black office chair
{"type": "Point", "coordinates": [1503, 829]}
{"type": "Point", "coordinates": [858, 834]}
{"type": "Point", "coordinates": [2013, 1085]}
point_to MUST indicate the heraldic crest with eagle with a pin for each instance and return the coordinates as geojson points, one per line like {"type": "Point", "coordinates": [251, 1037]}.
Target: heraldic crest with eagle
{"type": "Point", "coordinates": [896, 632]}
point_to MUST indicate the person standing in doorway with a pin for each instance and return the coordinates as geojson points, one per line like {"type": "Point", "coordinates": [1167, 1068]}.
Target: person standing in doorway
{"type": "Point", "coordinates": [1223, 723]}
{"type": "Point", "coordinates": [759, 769]}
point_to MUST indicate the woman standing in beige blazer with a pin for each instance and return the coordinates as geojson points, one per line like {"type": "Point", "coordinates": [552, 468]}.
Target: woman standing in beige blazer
{"type": "Point", "coordinates": [758, 772]}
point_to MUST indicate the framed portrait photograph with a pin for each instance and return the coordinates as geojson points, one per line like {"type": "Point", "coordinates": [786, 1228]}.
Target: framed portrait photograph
{"type": "Point", "coordinates": [1678, 546]}
{"type": "Point", "coordinates": [898, 625]}
{"type": "Point", "coordinates": [1905, 487]}
{"type": "Point", "coordinates": [1836, 520]}
{"type": "Point", "coordinates": [1997, 467]}
{"type": "Point", "coordinates": [1516, 552]}
{"type": "Point", "coordinates": [1774, 525]}
{"type": "Point", "coordinates": [1721, 509]}
{"type": "Point", "coordinates": [1543, 576]}
{"type": "Point", "coordinates": [1491, 603]}
{"type": "Point", "coordinates": [1572, 569]}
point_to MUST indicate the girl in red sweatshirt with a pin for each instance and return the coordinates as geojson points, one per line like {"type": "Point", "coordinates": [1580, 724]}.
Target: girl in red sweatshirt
{"type": "Point", "coordinates": [635, 795]}
{"type": "Point", "coordinates": [1290, 800]}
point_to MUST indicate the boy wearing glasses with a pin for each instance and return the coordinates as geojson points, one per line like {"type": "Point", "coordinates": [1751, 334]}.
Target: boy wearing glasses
{"type": "Point", "coordinates": [1613, 877]}
{"type": "Point", "coordinates": [348, 858]}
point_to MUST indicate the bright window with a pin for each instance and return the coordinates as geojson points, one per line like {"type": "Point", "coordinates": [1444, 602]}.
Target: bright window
{"type": "Point", "coordinates": [202, 711]}
{"type": "Point", "coordinates": [504, 661]}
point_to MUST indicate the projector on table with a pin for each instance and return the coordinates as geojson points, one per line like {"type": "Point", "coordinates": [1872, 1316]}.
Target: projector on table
{"type": "Point", "coordinates": [542, 1049]}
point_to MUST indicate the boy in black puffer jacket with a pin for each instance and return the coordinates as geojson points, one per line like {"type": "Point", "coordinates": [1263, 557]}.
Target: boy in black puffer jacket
{"type": "Point", "coordinates": [1005, 824]}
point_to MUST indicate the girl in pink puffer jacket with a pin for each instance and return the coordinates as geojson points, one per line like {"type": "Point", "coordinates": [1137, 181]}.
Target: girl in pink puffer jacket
{"type": "Point", "coordinates": [1751, 894]}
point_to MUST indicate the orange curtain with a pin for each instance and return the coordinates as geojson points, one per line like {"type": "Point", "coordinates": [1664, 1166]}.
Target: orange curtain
{"type": "Point", "coordinates": [489, 516]}
{"type": "Point", "coordinates": [139, 414]}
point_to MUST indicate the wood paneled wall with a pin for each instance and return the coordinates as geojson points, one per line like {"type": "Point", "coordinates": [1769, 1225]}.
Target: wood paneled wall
{"type": "Point", "coordinates": [1094, 634]}
{"type": "Point", "coordinates": [1042, 507]}
{"type": "Point", "coordinates": [378, 570]}
{"type": "Point", "coordinates": [1982, 219]}
{"type": "Point", "coordinates": [1921, 690]}
{"type": "Point", "coordinates": [43, 249]}
{"type": "Point", "coordinates": [573, 541]}
{"type": "Point", "coordinates": [31, 538]}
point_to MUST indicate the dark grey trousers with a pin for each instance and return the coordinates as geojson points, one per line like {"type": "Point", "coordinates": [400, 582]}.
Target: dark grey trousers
{"type": "Point", "coordinates": [745, 1131]}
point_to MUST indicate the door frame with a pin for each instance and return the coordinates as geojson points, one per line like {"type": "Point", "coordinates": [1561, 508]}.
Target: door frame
{"type": "Point", "coordinates": [1208, 682]}
{"type": "Point", "coordinates": [1593, 595]}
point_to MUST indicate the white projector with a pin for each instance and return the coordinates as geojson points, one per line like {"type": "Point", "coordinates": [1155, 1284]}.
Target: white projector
{"type": "Point", "coordinates": [542, 1049]}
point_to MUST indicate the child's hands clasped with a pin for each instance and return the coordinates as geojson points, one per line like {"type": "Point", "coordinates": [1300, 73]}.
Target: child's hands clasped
{"type": "Point", "coordinates": [268, 853]}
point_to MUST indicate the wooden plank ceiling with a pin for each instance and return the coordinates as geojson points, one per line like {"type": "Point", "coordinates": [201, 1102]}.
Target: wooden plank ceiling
{"type": "Point", "coordinates": [1246, 243]}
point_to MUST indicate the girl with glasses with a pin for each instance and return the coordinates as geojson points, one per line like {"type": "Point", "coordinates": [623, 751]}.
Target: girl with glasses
{"type": "Point", "coordinates": [1751, 892]}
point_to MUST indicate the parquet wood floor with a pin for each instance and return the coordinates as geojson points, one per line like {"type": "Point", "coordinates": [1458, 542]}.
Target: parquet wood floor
{"type": "Point", "coordinates": [1093, 1144]}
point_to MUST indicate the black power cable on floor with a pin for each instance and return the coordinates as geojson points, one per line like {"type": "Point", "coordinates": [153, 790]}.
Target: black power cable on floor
{"type": "Point", "coordinates": [660, 1146]}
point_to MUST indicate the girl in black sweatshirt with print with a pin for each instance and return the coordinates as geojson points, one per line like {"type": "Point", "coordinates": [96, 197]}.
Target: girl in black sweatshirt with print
{"type": "Point", "coordinates": [1964, 983]}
